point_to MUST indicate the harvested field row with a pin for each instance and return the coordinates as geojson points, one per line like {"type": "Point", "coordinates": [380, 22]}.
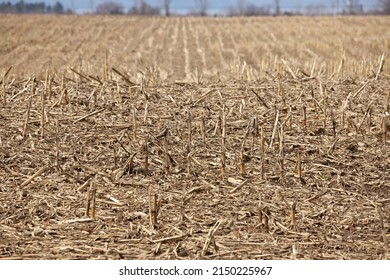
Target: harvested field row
{"type": "Point", "coordinates": [95, 135]}
{"type": "Point", "coordinates": [253, 164]}
{"type": "Point", "coordinates": [226, 48]}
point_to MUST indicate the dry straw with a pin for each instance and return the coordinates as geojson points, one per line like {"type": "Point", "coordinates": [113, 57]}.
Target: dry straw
{"type": "Point", "coordinates": [65, 132]}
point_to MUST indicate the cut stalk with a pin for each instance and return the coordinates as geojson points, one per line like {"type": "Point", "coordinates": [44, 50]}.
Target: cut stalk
{"type": "Point", "coordinates": [3, 83]}
{"type": "Point", "coordinates": [146, 150]}
{"type": "Point", "coordinates": [93, 208]}
{"type": "Point", "coordinates": [298, 169]}
{"type": "Point", "coordinates": [57, 143]}
{"type": "Point", "coordinates": [313, 99]}
{"type": "Point", "coordinates": [42, 112]}
{"type": "Point", "coordinates": [262, 142]}
{"type": "Point", "coordinates": [189, 164]}
{"type": "Point", "coordinates": [4, 90]}
{"type": "Point", "coordinates": [90, 201]}
{"type": "Point", "coordinates": [275, 129]}
{"type": "Point", "coordinates": [166, 155]}
{"type": "Point", "coordinates": [33, 86]}
{"type": "Point", "coordinates": [242, 163]}
{"type": "Point", "coordinates": [223, 127]}
{"type": "Point", "coordinates": [223, 142]}
{"type": "Point", "coordinates": [155, 210]}
{"type": "Point", "coordinates": [384, 129]}
{"type": "Point", "coordinates": [46, 82]}
{"type": "Point", "coordinates": [135, 123]}
{"type": "Point", "coordinates": [262, 168]}
{"type": "Point", "coordinates": [106, 66]}
{"type": "Point", "coordinates": [25, 126]}
{"type": "Point", "coordinates": [255, 132]}
{"type": "Point", "coordinates": [282, 95]}
{"type": "Point", "coordinates": [223, 162]}
{"type": "Point", "coordinates": [281, 152]}
{"type": "Point", "coordinates": [49, 88]}
{"type": "Point", "coordinates": [260, 214]}
{"type": "Point", "coordinates": [266, 216]}
{"type": "Point", "coordinates": [203, 129]}
{"type": "Point", "coordinates": [293, 214]}
{"type": "Point", "coordinates": [380, 67]}
{"type": "Point", "coordinates": [146, 111]}
{"type": "Point", "coordinates": [262, 152]}
{"type": "Point", "coordinates": [325, 109]}
{"type": "Point", "coordinates": [189, 125]}
{"type": "Point", "coordinates": [87, 200]}
{"type": "Point", "coordinates": [334, 123]}
{"type": "Point", "coordinates": [304, 118]}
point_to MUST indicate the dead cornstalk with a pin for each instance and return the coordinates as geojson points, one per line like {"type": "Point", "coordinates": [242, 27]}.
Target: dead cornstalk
{"type": "Point", "coordinates": [325, 109]}
{"type": "Point", "coordinates": [260, 214]}
{"type": "Point", "coordinates": [242, 162]}
{"type": "Point", "coordinates": [203, 129]}
{"type": "Point", "coordinates": [57, 144]}
{"type": "Point", "coordinates": [87, 200]}
{"type": "Point", "coordinates": [380, 67]}
{"type": "Point", "coordinates": [146, 150]}
{"type": "Point", "coordinates": [282, 94]}
{"type": "Point", "coordinates": [189, 127]}
{"type": "Point", "coordinates": [266, 217]}
{"type": "Point", "coordinates": [255, 132]}
{"type": "Point", "coordinates": [293, 213]}
{"type": "Point", "coordinates": [262, 152]}
{"type": "Point", "coordinates": [384, 128]}
{"type": "Point", "coordinates": [33, 86]}
{"type": "Point", "coordinates": [223, 162]}
{"type": "Point", "coordinates": [135, 123]}
{"type": "Point", "coordinates": [146, 111]}
{"type": "Point", "coordinates": [93, 204]}
{"type": "Point", "coordinates": [382, 225]}
{"type": "Point", "coordinates": [281, 152]}
{"type": "Point", "coordinates": [154, 209]}
{"type": "Point", "coordinates": [106, 66]}
{"type": "Point", "coordinates": [32, 177]}
{"type": "Point", "coordinates": [189, 142]}
{"type": "Point", "coordinates": [298, 166]}
{"type": "Point", "coordinates": [223, 127]}
{"type": "Point", "coordinates": [166, 155]}
{"type": "Point", "coordinates": [3, 83]}
{"type": "Point", "coordinates": [4, 90]}
{"type": "Point", "coordinates": [223, 142]}
{"type": "Point", "coordinates": [90, 201]}
{"type": "Point", "coordinates": [313, 99]}
{"type": "Point", "coordinates": [262, 142]}
{"type": "Point", "coordinates": [189, 164]}
{"type": "Point", "coordinates": [334, 123]}
{"type": "Point", "coordinates": [49, 90]}
{"type": "Point", "coordinates": [275, 129]}
{"type": "Point", "coordinates": [46, 82]}
{"type": "Point", "coordinates": [27, 118]}
{"type": "Point", "coordinates": [210, 237]}
{"type": "Point", "coordinates": [150, 206]}
{"type": "Point", "coordinates": [42, 112]}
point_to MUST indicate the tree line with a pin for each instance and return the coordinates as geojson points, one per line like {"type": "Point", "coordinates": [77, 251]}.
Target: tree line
{"type": "Point", "coordinates": [242, 8]}
{"type": "Point", "coordinates": [32, 8]}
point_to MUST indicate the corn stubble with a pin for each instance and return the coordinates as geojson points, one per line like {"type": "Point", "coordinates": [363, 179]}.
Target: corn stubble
{"type": "Point", "coordinates": [281, 151]}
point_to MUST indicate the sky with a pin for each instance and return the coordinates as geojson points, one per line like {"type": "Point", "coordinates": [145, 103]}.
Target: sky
{"type": "Point", "coordinates": [214, 5]}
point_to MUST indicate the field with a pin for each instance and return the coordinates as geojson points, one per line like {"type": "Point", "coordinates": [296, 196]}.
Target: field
{"type": "Point", "coordinates": [194, 138]}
